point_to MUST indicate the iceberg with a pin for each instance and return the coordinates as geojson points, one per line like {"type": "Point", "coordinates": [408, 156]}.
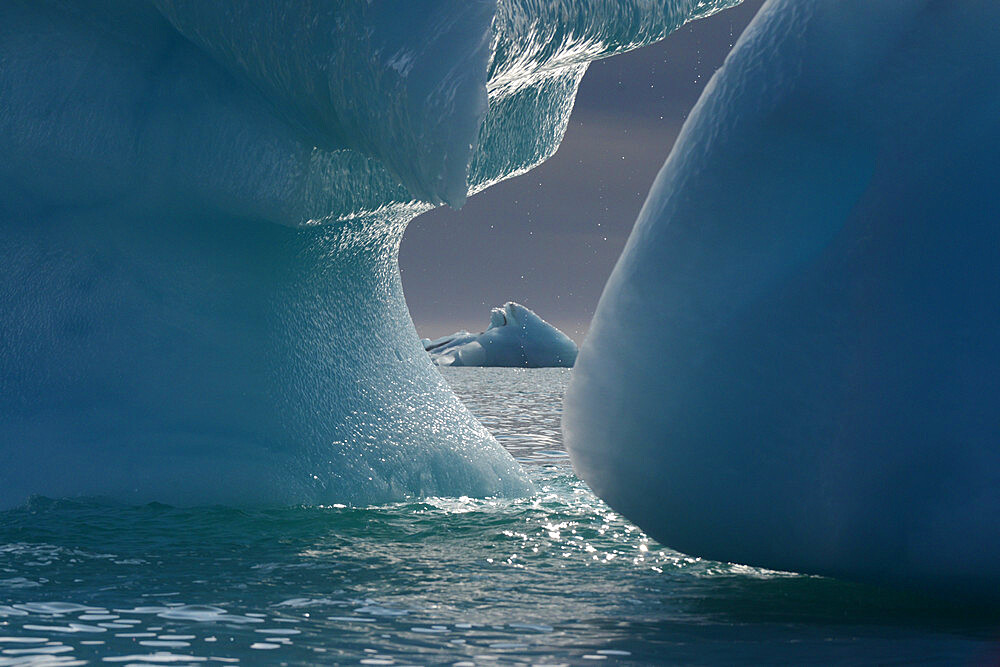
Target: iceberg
{"type": "Point", "coordinates": [200, 210]}
{"type": "Point", "coordinates": [516, 337]}
{"type": "Point", "coordinates": [796, 361]}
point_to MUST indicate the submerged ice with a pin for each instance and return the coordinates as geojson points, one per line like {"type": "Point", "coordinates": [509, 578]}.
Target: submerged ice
{"type": "Point", "coordinates": [200, 208]}
{"type": "Point", "coordinates": [796, 362]}
{"type": "Point", "coordinates": [516, 337]}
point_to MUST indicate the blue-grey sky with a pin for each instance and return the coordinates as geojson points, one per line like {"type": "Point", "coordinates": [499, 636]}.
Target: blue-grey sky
{"type": "Point", "coordinates": [549, 239]}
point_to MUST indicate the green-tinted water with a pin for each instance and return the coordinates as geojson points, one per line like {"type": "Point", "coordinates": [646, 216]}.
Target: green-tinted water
{"type": "Point", "coordinates": [555, 578]}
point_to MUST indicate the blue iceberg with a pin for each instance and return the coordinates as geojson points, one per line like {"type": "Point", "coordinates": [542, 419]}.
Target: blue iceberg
{"type": "Point", "coordinates": [516, 337]}
{"type": "Point", "coordinates": [200, 209]}
{"type": "Point", "coordinates": [796, 362]}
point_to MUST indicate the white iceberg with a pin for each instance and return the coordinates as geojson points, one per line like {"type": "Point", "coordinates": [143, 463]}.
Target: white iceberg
{"type": "Point", "coordinates": [796, 362]}
{"type": "Point", "coordinates": [516, 337]}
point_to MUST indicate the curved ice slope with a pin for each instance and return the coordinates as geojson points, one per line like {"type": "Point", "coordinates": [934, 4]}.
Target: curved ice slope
{"type": "Point", "coordinates": [516, 337]}
{"type": "Point", "coordinates": [192, 360]}
{"type": "Point", "coordinates": [200, 206]}
{"type": "Point", "coordinates": [812, 375]}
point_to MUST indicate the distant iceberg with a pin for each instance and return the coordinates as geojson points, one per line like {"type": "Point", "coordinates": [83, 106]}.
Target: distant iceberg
{"type": "Point", "coordinates": [516, 337]}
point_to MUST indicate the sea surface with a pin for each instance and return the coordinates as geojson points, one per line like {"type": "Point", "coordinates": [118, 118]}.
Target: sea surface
{"type": "Point", "coordinates": [557, 578]}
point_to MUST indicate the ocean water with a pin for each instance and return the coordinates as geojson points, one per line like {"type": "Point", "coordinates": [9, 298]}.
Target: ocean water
{"type": "Point", "coordinates": [557, 578]}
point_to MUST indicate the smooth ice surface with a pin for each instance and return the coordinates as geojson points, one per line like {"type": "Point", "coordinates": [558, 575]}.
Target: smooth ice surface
{"type": "Point", "coordinates": [200, 208]}
{"type": "Point", "coordinates": [796, 363]}
{"type": "Point", "coordinates": [516, 337]}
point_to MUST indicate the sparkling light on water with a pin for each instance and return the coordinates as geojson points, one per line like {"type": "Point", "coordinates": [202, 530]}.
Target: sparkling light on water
{"type": "Point", "coordinates": [556, 578]}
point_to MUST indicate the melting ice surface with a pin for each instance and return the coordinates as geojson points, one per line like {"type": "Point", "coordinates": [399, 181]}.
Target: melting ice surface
{"type": "Point", "coordinates": [200, 208]}
{"type": "Point", "coordinates": [553, 578]}
{"type": "Point", "coordinates": [516, 337]}
{"type": "Point", "coordinates": [818, 385]}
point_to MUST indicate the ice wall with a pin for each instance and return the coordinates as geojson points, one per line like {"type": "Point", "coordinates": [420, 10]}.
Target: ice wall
{"type": "Point", "coordinates": [200, 207]}
{"type": "Point", "coordinates": [796, 362]}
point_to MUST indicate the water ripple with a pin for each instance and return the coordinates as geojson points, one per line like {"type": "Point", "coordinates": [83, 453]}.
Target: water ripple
{"type": "Point", "coordinates": [557, 578]}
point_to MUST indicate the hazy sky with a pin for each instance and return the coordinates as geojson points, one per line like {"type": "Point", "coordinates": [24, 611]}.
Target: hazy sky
{"type": "Point", "coordinates": [550, 238]}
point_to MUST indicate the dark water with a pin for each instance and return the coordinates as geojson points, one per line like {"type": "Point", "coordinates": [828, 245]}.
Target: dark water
{"type": "Point", "coordinates": [557, 578]}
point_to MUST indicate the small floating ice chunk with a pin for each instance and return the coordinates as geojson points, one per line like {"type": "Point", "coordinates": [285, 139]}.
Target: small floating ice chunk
{"type": "Point", "coordinates": [278, 631]}
{"type": "Point", "coordinates": [37, 650]}
{"type": "Point", "coordinates": [264, 646]}
{"type": "Point", "coordinates": [56, 608]}
{"type": "Point", "coordinates": [158, 658]}
{"type": "Point", "coordinates": [157, 643]}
